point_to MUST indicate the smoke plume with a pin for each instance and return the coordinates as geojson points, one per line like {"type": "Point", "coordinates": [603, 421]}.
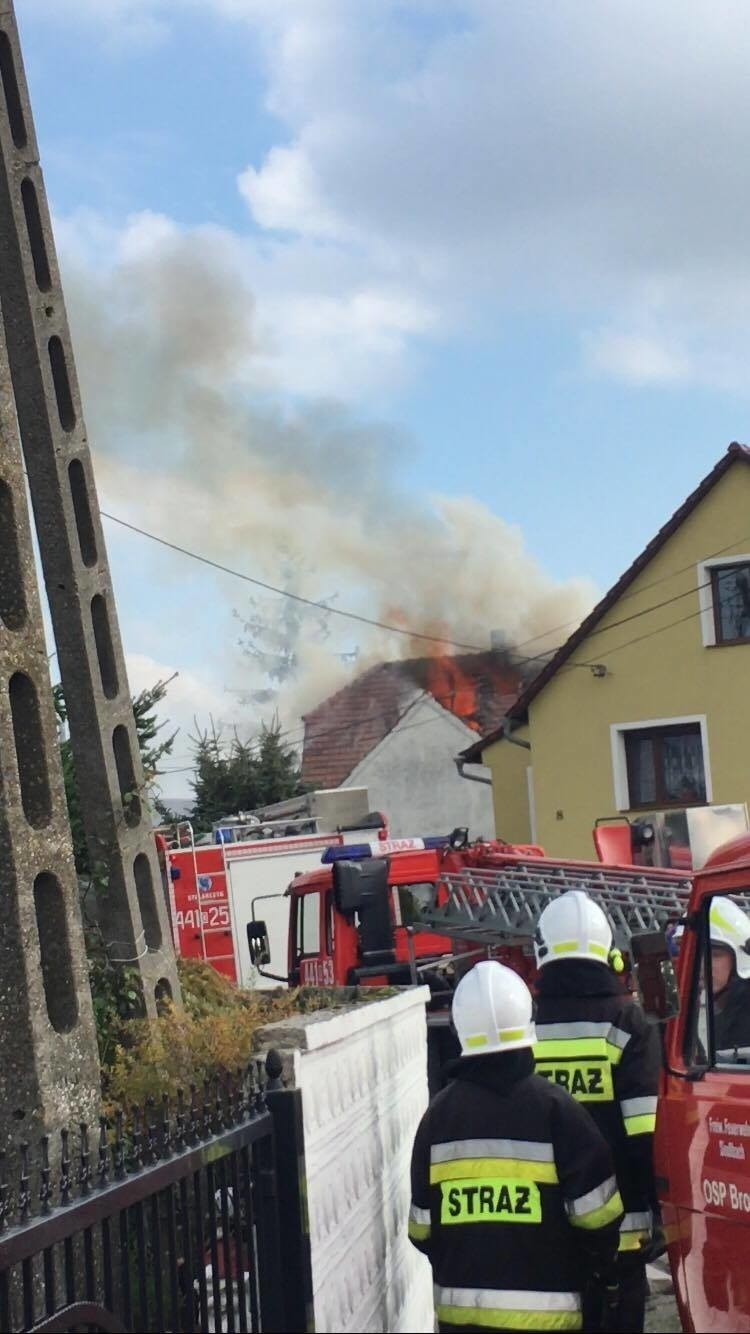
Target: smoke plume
{"type": "Point", "coordinates": [180, 397]}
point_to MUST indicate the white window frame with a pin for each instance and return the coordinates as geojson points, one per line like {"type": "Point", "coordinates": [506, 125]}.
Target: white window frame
{"type": "Point", "coordinates": [617, 733]}
{"type": "Point", "coordinates": [705, 594]}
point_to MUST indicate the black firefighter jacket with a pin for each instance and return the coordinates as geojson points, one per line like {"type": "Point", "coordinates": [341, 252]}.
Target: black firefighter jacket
{"type": "Point", "coordinates": [597, 1043]}
{"type": "Point", "coordinates": [514, 1199]}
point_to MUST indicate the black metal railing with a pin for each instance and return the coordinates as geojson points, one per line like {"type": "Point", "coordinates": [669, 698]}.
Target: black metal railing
{"type": "Point", "coordinates": [167, 1220]}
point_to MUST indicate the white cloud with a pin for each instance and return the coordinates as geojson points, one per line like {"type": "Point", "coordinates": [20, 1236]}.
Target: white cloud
{"type": "Point", "coordinates": [447, 162]}
{"type": "Point", "coordinates": [637, 359]}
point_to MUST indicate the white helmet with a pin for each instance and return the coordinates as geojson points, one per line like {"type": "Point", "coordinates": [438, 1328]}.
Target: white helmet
{"type": "Point", "coordinates": [492, 1010]}
{"type": "Point", "coordinates": [572, 927]}
{"type": "Point", "coordinates": [730, 927]}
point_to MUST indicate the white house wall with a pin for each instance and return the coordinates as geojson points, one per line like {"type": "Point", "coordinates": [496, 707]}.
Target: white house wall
{"type": "Point", "coordinates": [411, 777]}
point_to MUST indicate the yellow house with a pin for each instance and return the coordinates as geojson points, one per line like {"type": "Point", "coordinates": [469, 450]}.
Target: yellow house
{"type": "Point", "coordinates": [647, 705]}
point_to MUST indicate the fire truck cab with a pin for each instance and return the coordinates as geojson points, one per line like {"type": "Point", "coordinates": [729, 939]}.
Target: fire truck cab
{"type": "Point", "coordinates": [703, 1121]}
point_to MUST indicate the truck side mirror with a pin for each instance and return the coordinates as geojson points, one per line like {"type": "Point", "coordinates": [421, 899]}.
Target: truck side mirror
{"type": "Point", "coordinates": [258, 944]}
{"type": "Point", "coordinates": [357, 885]}
{"type": "Point", "coordinates": [655, 975]}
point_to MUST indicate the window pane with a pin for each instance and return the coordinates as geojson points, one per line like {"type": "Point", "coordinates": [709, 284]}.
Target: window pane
{"type": "Point", "coordinates": [682, 767]}
{"type": "Point", "coordinates": [732, 597]}
{"type": "Point", "coordinates": [310, 905]}
{"type": "Point", "coordinates": [642, 771]}
{"type": "Point", "coordinates": [729, 927]}
{"type": "Point", "coordinates": [414, 900]}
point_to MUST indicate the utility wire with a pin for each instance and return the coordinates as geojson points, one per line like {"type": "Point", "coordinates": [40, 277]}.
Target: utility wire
{"type": "Point", "coordinates": [412, 633]}
{"type": "Point", "coordinates": [294, 597]}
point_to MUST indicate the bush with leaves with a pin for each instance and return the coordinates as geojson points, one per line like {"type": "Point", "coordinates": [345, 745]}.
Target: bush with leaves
{"type": "Point", "coordinates": [211, 1035]}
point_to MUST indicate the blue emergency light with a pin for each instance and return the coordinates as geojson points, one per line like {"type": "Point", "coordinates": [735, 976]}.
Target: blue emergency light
{"type": "Point", "coordinates": [357, 852]}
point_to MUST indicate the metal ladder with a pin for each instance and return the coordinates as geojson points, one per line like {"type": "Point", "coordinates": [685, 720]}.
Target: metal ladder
{"type": "Point", "coordinates": [503, 903]}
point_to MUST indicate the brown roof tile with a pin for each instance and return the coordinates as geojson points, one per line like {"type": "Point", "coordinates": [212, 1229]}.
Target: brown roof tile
{"type": "Point", "coordinates": [479, 688]}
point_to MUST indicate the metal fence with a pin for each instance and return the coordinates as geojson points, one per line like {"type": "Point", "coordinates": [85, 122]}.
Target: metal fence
{"type": "Point", "coordinates": [168, 1221]}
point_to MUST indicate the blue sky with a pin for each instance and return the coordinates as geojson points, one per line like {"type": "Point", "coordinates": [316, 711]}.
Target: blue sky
{"type": "Point", "coordinates": [437, 306]}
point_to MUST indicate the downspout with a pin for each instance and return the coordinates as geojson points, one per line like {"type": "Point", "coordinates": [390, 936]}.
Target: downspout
{"type": "Point", "coordinates": [461, 763]}
{"type": "Point", "coordinates": [507, 734]}
{"type": "Point", "coordinates": [514, 740]}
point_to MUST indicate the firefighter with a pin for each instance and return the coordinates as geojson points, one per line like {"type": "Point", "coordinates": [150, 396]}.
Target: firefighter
{"type": "Point", "coordinates": [730, 975]}
{"type": "Point", "coordinates": [595, 1041]}
{"type": "Point", "coordinates": [514, 1198]}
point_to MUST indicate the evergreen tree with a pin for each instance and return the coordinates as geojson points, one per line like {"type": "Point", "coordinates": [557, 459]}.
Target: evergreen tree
{"type": "Point", "coordinates": [241, 775]}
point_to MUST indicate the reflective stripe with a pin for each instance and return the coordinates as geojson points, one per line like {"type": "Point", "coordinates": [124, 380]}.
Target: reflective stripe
{"type": "Point", "coordinates": [565, 947]}
{"type": "Point", "coordinates": [635, 1230]}
{"type": "Point", "coordinates": [531, 1149]}
{"type": "Point", "coordinates": [549, 1048]}
{"type": "Point", "coordinates": [585, 1028]}
{"type": "Point", "coordinates": [637, 1106]}
{"type": "Point", "coordinates": [419, 1223]}
{"type": "Point", "coordinates": [527, 1160]}
{"type": "Point", "coordinates": [598, 1217]}
{"type": "Point", "coordinates": [492, 1308]}
{"type": "Point", "coordinates": [593, 1199]}
{"type": "Point", "coordinates": [511, 1034]}
{"type": "Point", "coordinates": [631, 1241]}
{"type": "Point", "coordinates": [640, 1125]}
{"type": "Point", "coordinates": [456, 1169]}
{"type": "Point", "coordinates": [477, 1040]}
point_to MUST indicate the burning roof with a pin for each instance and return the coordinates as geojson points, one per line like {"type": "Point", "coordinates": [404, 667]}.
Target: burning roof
{"type": "Point", "coordinates": [477, 688]}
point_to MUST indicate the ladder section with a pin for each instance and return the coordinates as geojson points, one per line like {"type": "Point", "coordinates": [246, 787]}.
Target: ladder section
{"type": "Point", "coordinates": [503, 903]}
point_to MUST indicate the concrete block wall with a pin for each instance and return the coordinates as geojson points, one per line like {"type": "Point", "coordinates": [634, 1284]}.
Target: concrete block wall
{"type": "Point", "coordinates": [363, 1076]}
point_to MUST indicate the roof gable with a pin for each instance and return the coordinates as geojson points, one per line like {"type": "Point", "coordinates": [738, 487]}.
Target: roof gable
{"type": "Point", "coordinates": [736, 453]}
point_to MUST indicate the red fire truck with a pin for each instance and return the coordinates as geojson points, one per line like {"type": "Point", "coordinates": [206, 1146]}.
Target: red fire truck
{"type": "Point", "coordinates": [213, 885]}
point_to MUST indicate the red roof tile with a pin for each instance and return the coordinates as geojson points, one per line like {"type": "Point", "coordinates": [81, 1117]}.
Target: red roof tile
{"type": "Point", "coordinates": [479, 688]}
{"type": "Point", "coordinates": [735, 454]}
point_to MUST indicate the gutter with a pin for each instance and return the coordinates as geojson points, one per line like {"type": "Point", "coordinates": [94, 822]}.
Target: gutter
{"type": "Point", "coordinates": [514, 740]}
{"type": "Point", "coordinates": [507, 735]}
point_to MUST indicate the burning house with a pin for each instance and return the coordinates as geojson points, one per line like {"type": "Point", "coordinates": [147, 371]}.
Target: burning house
{"type": "Point", "coordinates": [396, 730]}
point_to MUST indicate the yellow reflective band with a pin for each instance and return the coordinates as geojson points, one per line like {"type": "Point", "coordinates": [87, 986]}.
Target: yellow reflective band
{"type": "Point", "coordinates": [511, 1034]}
{"type": "Point", "coordinates": [565, 947]}
{"type": "Point", "coordinates": [490, 1200]}
{"type": "Point", "coordinates": [493, 1168]}
{"type": "Point", "coordinates": [484, 1319]}
{"type": "Point", "coordinates": [480, 1040]}
{"type": "Point", "coordinates": [573, 1047]}
{"type": "Point", "coordinates": [586, 1081]}
{"type": "Point", "coordinates": [600, 950]}
{"type": "Point", "coordinates": [419, 1231]}
{"type": "Point", "coordinates": [576, 1048]}
{"type": "Point", "coordinates": [632, 1241]}
{"type": "Point", "coordinates": [596, 1218]}
{"type": "Point", "coordinates": [640, 1125]}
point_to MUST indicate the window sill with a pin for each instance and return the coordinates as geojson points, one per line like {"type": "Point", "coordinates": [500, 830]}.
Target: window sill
{"type": "Point", "coordinates": [728, 643]}
{"type": "Point", "coordinates": [656, 806]}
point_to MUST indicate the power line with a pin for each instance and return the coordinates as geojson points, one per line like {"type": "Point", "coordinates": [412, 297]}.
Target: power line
{"type": "Point", "coordinates": [415, 634]}
{"type": "Point", "coordinates": [295, 597]}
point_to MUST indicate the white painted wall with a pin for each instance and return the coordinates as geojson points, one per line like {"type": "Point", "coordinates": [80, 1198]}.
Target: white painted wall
{"type": "Point", "coordinates": [363, 1076]}
{"type": "Point", "coordinates": [411, 777]}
